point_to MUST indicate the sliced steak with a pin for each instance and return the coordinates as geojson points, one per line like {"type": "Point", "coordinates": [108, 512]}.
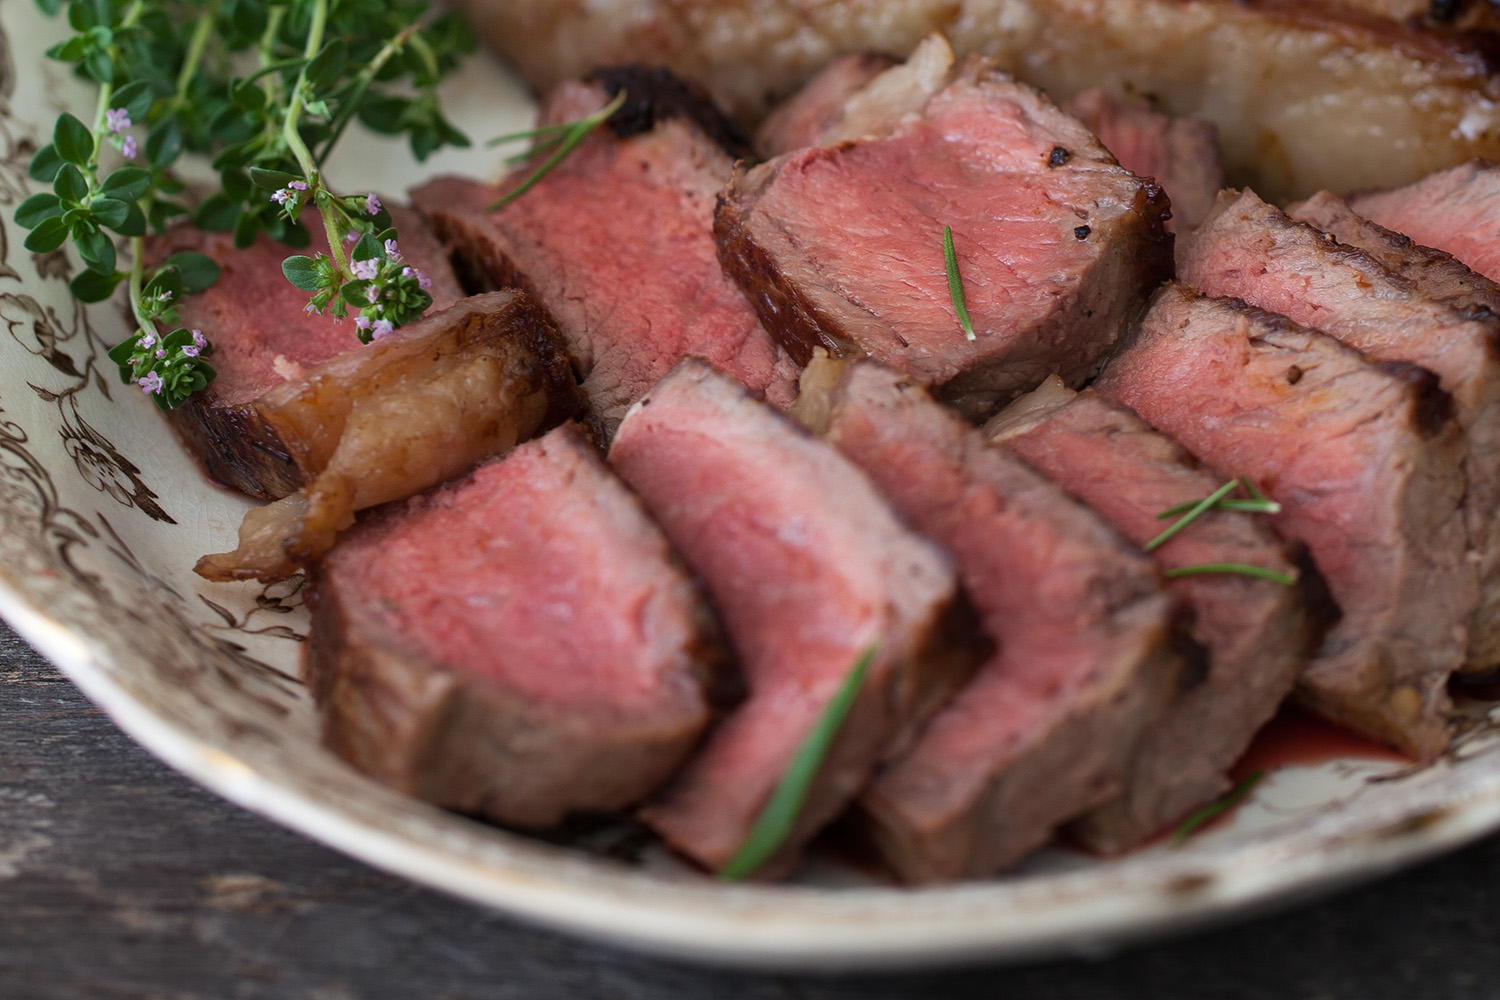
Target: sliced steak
{"type": "Point", "coordinates": [1258, 633]}
{"type": "Point", "coordinates": [1180, 154]}
{"type": "Point", "coordinates": [1250, 250]}
{"type": "Point", "coordinates": [617, 242]}
{"type": "Point", "coordinates": [385, 421]}
{"type": "Point", "coordinates": [1368, 466]}
{"type": "Point", "coordinates": [517, 644]}
{"type": "Point", "coordinates": [841, 246]}
{"type": "Point", "coordinates": [263, 337]}
{"type": "Point", "coordinates": [1085, 659]}
{"type": "Point", "coordinates": [808, 567]}
{"type": "Point", "coordinates": [1457, 210]}
{"type": "Point", "coordinates": [802, 119]}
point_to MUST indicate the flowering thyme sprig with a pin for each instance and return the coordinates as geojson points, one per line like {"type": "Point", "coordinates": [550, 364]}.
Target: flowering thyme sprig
{"type": "Point", "coordinates": [168, 72]}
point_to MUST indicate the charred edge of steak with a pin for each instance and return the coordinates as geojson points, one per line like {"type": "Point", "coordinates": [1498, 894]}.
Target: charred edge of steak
{"type": "Point", "coordinates": [1433, 407]}
{"type": "Point", "coordinates": [1323, 611]}
{"type": "Point", "coordinates": [538, 333]}
{"type": "Point", "coordinates": [238, 448]}
{"type": "Point", "coordinates": [798, 326]}
{"type": "Point", "coordinates": [655, 94]}
{"type": "Point", "coordinates": [1196, 659]}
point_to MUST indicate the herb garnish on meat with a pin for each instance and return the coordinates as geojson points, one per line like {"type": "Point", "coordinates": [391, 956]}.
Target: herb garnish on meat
{"type": "Point", "coordinates": [266, 89]}
{"type": "Point", "coordinates": [562, 139]}
{"type": "Point", "coordinates": [955, 284]}
{"type": "Point", "coordinates": [781, 810]}
{"type": "Point", "coordinates": [1257, 503]}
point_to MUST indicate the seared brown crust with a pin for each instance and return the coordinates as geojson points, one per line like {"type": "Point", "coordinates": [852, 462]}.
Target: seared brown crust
{"type": "Point", "coordinates": [237, 447]}
{"type": "Point", "coordinates": [654, 94]}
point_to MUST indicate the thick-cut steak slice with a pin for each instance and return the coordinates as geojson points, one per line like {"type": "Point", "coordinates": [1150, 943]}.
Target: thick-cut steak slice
{"type": "Point", "coordinates": [841, 246]}
{"type": "Point", "coordinates": [617, 242]}
{"type": "Point", "coordinates": [1085, 659]}
{"type": "Point", "coordinates": [1250, 250]}
{"type": "Point", "coordinates": [403, 414]}
{"type": "Point", "coordinates": [517, 644]}
{"type": "Point", "coordinates": [1258, 633]}
{"type": "Point", "coordinates": [1368, 466]}
{"type": "Point", "coordinates": [1180, 154]}
{"type": "Point", "coordinates": [808, 568]}
{"type": "Point", "coordinates": [262, 337]}
{"type": "Point", "coordinates": [1437, 273]}
{"type": "Point", "coordinates": [802, 119]}
{"type": "Point", "coordinates": [1457, 210]}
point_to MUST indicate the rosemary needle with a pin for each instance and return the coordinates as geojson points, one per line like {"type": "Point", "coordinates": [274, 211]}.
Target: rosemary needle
{"type": "Point", "coordinates": [1196, 511]}
{"type": "Point", "coordinates": [1215, 809]}
{"type": "Point", "coordinates": [779, 816]}
{"type": "Point", "coordinates": [573, 134]}
{"type": "Point", "coordinates": [1242, 569]}
{"type": "Point", "coordinates": [955, 284]}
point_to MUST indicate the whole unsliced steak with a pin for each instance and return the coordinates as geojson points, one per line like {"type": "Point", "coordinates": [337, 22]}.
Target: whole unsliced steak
{"type": "Point", "coordinates": [841, 246]}
{"type": "Point", "coordinates": [1367, 463]}
{"type": "Point", "coordinates": [1085, 661]}
{"type": "Point", "coordinates": [617, 243]}
{"type": "Point", "coordinates": [417, 407]}
{"type": "Point", "coordinates": [518, 644]}
{"type": "Point", "coordinates": [808, 568]}
{"type": "Point", "coordinates": [263, 336]}
{"type": "Point", "coordinates": [1457, 210]}
{"type": "Point", "coordinates": [1250, 250]}
{"type": "Point", "coordinates": [1180, 154]}
{"type": "Point", "coordinates": [1258, 633]}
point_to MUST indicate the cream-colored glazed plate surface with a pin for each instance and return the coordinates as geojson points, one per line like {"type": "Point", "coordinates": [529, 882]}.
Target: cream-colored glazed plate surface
{"type": "Point", "coordinates": [102, 516]}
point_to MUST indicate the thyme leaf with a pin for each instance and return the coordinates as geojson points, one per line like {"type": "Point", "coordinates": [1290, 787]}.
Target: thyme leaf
{"type": "Point", "coordinates": [572, 135]}
{"type": "Point", "coordinates": [1197, 820]}
{"type": "Point", "coordinates": [956, 285]}
{"type": "Point", "coordinates": [779, 815]}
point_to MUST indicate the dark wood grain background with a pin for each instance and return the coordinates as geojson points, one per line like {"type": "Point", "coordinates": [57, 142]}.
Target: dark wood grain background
{"type": "Point", "coordinates": [120, 879]}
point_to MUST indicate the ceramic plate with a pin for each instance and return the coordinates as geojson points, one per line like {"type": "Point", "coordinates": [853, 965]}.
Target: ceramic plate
{"type": "Point", "coordinates": [103, 516]}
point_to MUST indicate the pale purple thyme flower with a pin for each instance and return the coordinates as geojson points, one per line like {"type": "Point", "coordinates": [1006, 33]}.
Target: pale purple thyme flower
{"type": "Point", "coordinates": [128, 148]}
{"type": "Point", "coordinates": [148, 340]}
{"type": "Point", "coordinates": [372, 294]}
{"type": "Point", "coordinates": [310, 308]}
{"type": "Point", "coordinates": [190, 350]}
{"type": "Point", "coordinates": [352, 238]}
{"type": "Point", "coordinates": [161, 352]}
{"type": "Point", "coordinates": [117, 119]}
{"type": "Point", "coordinates": [363, 322]}
{"type": "Point", "coordinates": [199, 341]}
{"type": "Point", "coordinates": [380, 328]}
{"type": "Point", "coordinates": [372, 204]}
{"type": "Point", "coordinates": [391, 252]}
{"type": "Point", "coordinates": [282, 196]}
{"type": "Point", "coordinates": [365, 270]}
{"type": "Point", "coordinates": [151, 383]}
{"type": "Point", "coordinates": [423, 282]}
{"type": "Point", "coordinates": [298, 185]}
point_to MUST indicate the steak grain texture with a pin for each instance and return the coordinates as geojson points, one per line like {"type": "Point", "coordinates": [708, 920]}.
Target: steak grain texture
{"type": "Point", "coordinates": [840, 246]}
{"type": "Point", "coordinates": [1258, 634]}
{"type": "Point", "coordinates": [380, 423]}
{"type": "Point", "coordinates": [1305, 95]}
{"type": "Point", "coordinates": [1180, 154]}
{"type": "Point", "coordinates": [1453, 210]}
{"type": "Point", "coordinates": [518, 644]}
{"type": "Point", "coordinates": [617, 243]}
{"type": "Point", "coordinates": [1250, 250]}
{"type": "Point", "coordinates": [808, 567]}
{"type": "Point", "coordinates": [1085, 659]}
{"type": "Point", "coordinates": [262, 336]}
{"type": "Point", "coordinates": [1367, 465]}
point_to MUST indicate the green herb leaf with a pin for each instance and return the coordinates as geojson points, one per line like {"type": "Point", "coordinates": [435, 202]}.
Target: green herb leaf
{"type": "Point", "coordinates": [136, 97]}
{"type": "Point", "coordinates": [199, 271]}
{"type": "Point", "coordinates": [1215, 809]}
{"type": "Point", "coordinates": [955, 284]}
{"type": "Point", "coordinates": [127, 184]}
{"type": "Point", "coordinates": [96, 248]}
{"type": "Point", "coordinates": [163, 143]}
{"type": "Point", "coordinates": [271, 180]}
{"type": "Point", "coordinates": [70, 185]}
{"type": "Point", "coordinates": [110, 212]}
{"type": "Point", "coordinates": [45, 164]}
{"type": "Point", "coordinates": [72, 139]}
{"type": "Point", "coordinates": [92, 286]}
{"type": "Point", "coordinates": [779, 816]}
{"type": "Point", "coordinates": [302, 272]}
{"type": "Point", "coordinates": [1195, 512]}
{"type": "Point", "coordinates": [38, 207]}
{"type": "Point", "coordinates": [48, 235]}
{"type": "Point", "coordinates": [575, 135]}
{"type": "Point", "coordinates": [1239, 569]}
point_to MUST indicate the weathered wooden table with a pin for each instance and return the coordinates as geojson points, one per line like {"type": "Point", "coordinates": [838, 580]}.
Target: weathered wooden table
{"type": "Point", "coordinates": [120, 879]}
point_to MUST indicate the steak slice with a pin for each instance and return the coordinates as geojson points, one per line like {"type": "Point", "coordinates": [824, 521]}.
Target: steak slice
{"type": "Point", "coordinates": [1250, 250]}
{"type": "Point", "coordinates": [1180, 154]}
{"type": "Point", "coordinates": [517, 644]}
{"type": "Point", "coordinates": [617, 242]}
{"type": "Point", "coordinates": [263, 336]}
{"type": "Point", "coordinates": [1368, 466]}
{"type": "Point", "coordinates": [1453, 210]}
{"type": "Point", "coordinates": [841, 246]}
{"type": "Point", "coordinates": [1258, 633]}
{"type": "Point", "coordinates": [1085, 659]}
{"type": "Point", "coordinates": [808, 568]}
{"type": "Point", "coordinates": [383, 422]}
{"type": "Point", "coordinates": [803, 119]}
